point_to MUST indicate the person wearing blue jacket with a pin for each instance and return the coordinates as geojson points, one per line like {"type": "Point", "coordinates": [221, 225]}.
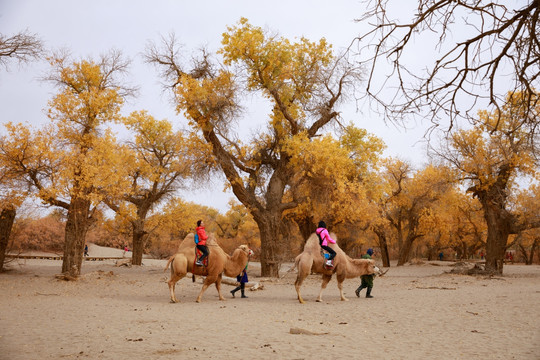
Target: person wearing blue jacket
{"type": "Point", "coordinates": [242, 279]}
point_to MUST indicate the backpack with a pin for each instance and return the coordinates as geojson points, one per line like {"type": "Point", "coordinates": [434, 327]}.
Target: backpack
{"type": "Point", "coordinates": [320, 238]}
{"type": "Point", "coordinates": [196, 238]}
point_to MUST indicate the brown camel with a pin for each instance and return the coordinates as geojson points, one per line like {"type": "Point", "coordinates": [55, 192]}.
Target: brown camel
{"type": "Point", "coordinates": [311, 261]}
{"type": "Point", "coordinates": [218, 263]}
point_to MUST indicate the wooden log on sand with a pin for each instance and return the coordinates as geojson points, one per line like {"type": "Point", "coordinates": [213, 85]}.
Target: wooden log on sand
{"type": "Point", "coordinates": [124, 262]}
{"type": "Point", "coordinates": [249, 285]}
{"type": "Point", "coordinates": [299, 331]}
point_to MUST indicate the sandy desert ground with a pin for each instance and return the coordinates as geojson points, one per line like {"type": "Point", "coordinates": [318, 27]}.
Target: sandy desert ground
{"type": "Point", "coordinates": [418, 312]}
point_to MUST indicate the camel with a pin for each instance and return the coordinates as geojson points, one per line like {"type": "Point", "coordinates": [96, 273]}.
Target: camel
{"type": "Point", "coordinates": [218, 263]}
{"type": "Point", "coordinates": [311, 261]}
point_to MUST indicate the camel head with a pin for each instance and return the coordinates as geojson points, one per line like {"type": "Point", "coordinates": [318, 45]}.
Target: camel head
{"type": "Point", "coordinates": [372, 268]}
{"type": "Point", "coordinates": [246, 249]}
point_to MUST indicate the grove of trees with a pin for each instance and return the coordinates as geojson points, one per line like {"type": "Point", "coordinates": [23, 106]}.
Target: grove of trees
{"type": "Point", "coordinates": [302, 162]}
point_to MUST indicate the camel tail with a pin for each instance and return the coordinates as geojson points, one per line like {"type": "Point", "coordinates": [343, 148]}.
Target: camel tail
{"type": "Point", "coordinates": [296, 262]}
{"type": "Point", "coordinates": [169, 262]}
{"type": "Point", "coordinates": [193, 277]}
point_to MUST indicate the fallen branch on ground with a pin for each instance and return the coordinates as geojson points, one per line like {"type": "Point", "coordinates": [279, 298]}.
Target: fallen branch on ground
{"type": "Point", "coordinates": [249, 285]}
{"type": "Point", "coordinates": [124, 262]}
{"type": "Point", "coordinates": [298, 331]}
{"type": "Point", "coordinates": [37, 293]}
{"type": "Point", "coordinates": [66, 277]}
{"type": "Point", "coordinates": [435, 288]}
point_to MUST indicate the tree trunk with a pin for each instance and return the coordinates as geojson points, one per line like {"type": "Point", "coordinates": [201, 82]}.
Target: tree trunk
{"type": "Point", "coordinates": [497, 237]}
{"type": "Point", "coordinates": [431, 253]}
{"type": "Point", "coordinates": [399, 237]}
{"type": "Point", "coordinates": [383, 245]}
{"type": "Point", "coordinates": [464, 249]}
{"type": "Point", "coordinates": [138, 242]}
{"type": "Point", "coordinates": [533, 250]}
{"type": "Point", "coordinates": [307, 227]}
{"type": "Point", "coordinates": [405, 251]}
{"type": "Point", "coordinates": [412, 235]}
{"type": "Point", "coordinates": [269, 226]}
{"type": "Point", "coordinates": [529, 258]}
{"type": "Point", "coordinates": [7, 217]}
{"type": "Point", "coordinates": [498, 219]}
{"type": "Point", "coordinates": [75, 235]}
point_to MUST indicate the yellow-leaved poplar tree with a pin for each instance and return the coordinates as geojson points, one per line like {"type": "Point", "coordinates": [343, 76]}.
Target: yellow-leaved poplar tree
{"type": "Point", "coordinates": [489, 158]}
{"type": "Point", "coordinates": [302, 81]}
{"type": "Point", "coordinates": [528, 209]}
{"type": "Point", "coordinates": [177, 218]}
{"type": "Point", "coordinates": [73, 162]}
{"type": "Point", "coordinates": [333, 179]}
{"type": "Point", "coordinates": [22, 47]}
{"type": "Point", "coordinates": [12, 194]}
{"type": "Point", "coordinates": [410, 197]}
{"type": "Point", "coordinates": [159, 164]}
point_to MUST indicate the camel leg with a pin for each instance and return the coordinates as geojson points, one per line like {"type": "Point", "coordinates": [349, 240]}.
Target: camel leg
{"type": "Point", "coordinates": [340, 280]}
{"type": "Point", "coordinates": [172, 286]}
{"type": "Point", "coordinates": [204, 287]}
{"type": "Point", "coordinates": [297, 285]}
{"type": "Point", "coordinates": [175, 277]}
{"type": "Point", "coordinates": [325, 280]}
{"type": "Point", "coordinates": [303, 263]}
{"type": "Point", "coordinates": [218, 287]}
{"type": "Point", "coordinates": [207, 282]}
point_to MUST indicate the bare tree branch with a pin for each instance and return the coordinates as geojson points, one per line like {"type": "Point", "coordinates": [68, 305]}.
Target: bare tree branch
{"type": "Point", "coordinates": [113, 68]}
{"type": "Point", "coordinates": [485, 50]}
{"type": "Point", "coordinates": [21, 47]}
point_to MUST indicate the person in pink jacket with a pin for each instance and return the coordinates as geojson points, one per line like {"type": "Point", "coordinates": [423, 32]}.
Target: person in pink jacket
{"type": "Point", "coordinates": [201, 245]}
{"type": "Point", "coordinates": [324, 239]}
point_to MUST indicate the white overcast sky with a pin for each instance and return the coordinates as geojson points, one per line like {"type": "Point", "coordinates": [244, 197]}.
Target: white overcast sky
{"type": "Point", "coordinates": [89, 28]}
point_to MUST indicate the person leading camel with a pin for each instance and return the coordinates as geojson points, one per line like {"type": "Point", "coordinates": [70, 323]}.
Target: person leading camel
{"type": "Point", "coordinates": [324, 239]}
{"type": "Point", "coordinates": [367, 280]}
{"type": "Point", "coordinates": [310, 261]}
{"type": "Point", "coordinates": [242, 279]}
{"type": "Point", "coordinates": [201, 245]}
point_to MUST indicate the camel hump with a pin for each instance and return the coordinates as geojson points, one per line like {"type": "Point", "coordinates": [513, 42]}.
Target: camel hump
{"type": "Point", "coordinates": [313, 246]}
{"type": "Point", "coordinates": [189, 242]}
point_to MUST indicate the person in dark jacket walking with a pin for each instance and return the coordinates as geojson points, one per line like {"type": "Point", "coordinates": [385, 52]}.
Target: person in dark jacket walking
{"type": "Point", "coordinates": [242, 279]}
{"type": "Point", "coordinates": [367, 280]}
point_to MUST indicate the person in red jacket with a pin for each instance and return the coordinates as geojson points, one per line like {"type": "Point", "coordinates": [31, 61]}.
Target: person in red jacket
{"type": "Point", "coordinates": [201, 245]}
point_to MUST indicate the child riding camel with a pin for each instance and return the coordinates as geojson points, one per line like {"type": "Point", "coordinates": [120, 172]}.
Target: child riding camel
{"type": "Point", "coordinates": [324, 239]}
{"type": "Point", "coordinates": [201, 245]}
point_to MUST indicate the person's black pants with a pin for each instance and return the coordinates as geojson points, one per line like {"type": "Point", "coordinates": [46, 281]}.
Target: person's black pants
{"type": "Point", "coordinates": [204, 251]}
{"type": "Point", "coordinates": [330, 251]}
